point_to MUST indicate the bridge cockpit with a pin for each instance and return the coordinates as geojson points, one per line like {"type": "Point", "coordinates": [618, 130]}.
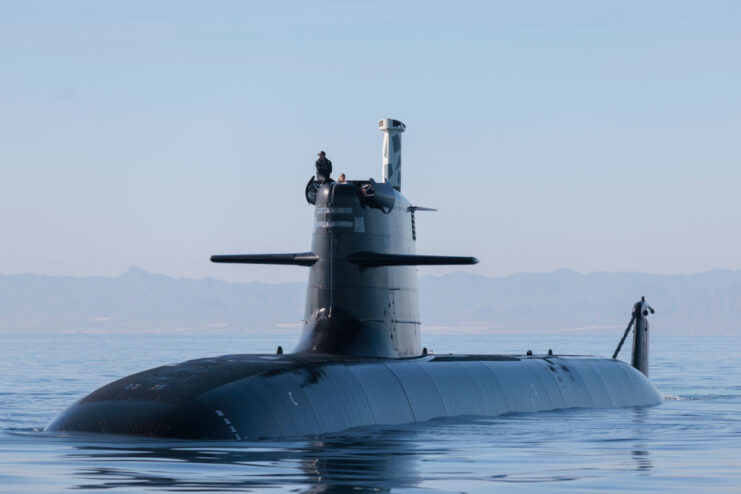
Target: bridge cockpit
{"type": "Point", "coordinates": [368, 193]}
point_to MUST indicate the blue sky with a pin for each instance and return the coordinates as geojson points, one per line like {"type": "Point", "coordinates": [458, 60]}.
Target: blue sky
{"type": "Point", "coordinates": [593, 136]}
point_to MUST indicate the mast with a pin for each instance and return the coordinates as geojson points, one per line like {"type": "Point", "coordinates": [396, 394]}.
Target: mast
{"type": "Point", "coordinates": [391, 171]}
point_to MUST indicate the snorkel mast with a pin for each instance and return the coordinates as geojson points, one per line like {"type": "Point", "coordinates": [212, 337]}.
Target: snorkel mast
{"type": "Point", "coordinates": [392, 130]}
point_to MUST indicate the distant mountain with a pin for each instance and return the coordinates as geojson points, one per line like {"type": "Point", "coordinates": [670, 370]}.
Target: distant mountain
{"type": "Point", "coordinates": [559, 302]}
{"type": "Point", "coordinates": [138, 300]}
{"type": "Point", "coordinates": [567, 301]}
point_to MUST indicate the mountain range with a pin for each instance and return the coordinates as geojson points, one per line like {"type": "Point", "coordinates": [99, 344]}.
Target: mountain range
{"type": "Point", "coordinates": [562, 301]}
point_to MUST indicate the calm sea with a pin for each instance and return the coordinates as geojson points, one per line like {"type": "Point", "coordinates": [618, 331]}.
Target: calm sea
{"type": "Point", "coordinates": [690, 443]}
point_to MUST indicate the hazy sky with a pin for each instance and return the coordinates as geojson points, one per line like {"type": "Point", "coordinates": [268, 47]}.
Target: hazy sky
{"type": "Point", "coordinates": [596, 136]}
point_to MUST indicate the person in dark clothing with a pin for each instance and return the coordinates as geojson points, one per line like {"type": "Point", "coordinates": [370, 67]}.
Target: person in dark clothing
{"type": "Point", "coordinates": [323, 167]}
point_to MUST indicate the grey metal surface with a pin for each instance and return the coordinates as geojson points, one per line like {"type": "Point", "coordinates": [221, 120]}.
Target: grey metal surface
{"type": "Point", "coordinates": [358, 310]}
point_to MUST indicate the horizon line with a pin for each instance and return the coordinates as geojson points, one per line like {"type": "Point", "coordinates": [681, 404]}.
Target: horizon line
{"type": "Point", "coordinates": [135, 269]}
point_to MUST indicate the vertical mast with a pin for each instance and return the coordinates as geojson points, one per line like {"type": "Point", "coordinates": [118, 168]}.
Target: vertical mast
{"type": "Point", "coordinates": [639, 358]}
{"type": "Point", "coordinates": [392, 130]}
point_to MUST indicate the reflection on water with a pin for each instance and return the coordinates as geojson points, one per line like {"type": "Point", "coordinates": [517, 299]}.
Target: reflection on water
{"type": "Point", "coordinates": [642, 459]}
{"type": "Point", "coordinates": [640, 454]}
{"type": "Point", "coordinates": [379, 460]}
{"type": "Point", "coordinates": [335, 464]}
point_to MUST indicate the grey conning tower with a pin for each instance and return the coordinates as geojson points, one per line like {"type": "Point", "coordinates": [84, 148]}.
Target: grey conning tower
{"type": "Point", "coordinates": [362, 293]}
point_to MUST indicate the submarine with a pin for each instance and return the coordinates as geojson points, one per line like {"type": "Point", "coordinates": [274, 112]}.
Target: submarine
{"type": "Point", "coordinates": [359, 360]}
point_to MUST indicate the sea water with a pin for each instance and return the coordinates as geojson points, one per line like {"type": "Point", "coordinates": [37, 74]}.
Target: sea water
{"type": "Point", "coordinates": [690, 443]}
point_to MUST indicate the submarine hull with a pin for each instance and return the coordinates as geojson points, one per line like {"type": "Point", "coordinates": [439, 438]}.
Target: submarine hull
{"type": "Point", "coordinates": [267, 396]}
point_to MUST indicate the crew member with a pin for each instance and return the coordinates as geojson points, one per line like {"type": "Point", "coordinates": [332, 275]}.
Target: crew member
{"type": "Point", "coordinates": [323, 167]}
{"type": "Point", "coordinates": [341, 179]}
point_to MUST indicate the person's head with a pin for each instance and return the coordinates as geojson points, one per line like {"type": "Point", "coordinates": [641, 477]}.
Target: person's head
{"type": "Point", "coordinates": [321, 154]}
{"type": "Point", "coordinates": [341, 178]}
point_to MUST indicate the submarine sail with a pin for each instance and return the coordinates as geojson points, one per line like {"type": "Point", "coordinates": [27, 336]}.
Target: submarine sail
{"type": "Point", "coordinates": [358, 361]}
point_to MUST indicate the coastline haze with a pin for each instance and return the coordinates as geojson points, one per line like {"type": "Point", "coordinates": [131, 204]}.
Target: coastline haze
{"type": "Point", "coordinates": [561, 302]}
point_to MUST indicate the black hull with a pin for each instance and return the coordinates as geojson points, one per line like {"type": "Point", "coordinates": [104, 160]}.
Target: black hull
{"type": "Point", "coordinates": [264, 396]}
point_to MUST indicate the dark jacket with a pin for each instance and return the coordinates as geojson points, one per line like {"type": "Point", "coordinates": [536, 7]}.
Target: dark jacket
{"type": "Point", "coordinates": [323, 169]}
